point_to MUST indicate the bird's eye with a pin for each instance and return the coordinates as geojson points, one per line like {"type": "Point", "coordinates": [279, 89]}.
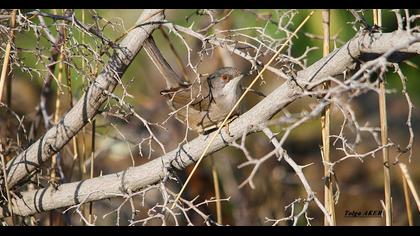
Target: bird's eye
{"type": "Point", "coordinates": [225, 78]}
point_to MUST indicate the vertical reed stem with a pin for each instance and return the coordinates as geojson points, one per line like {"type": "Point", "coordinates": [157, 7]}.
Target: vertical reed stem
{"type": "Point", "coordinates": [2, 82]}
{"type": "Point", "coordinates": [325, 125]}
{"type": "Point", "coordinates": [377, 19]}
{"type": "Point", "coordinates": [407, 201]}
{"type": "Point", "coordinates": [216, 192]}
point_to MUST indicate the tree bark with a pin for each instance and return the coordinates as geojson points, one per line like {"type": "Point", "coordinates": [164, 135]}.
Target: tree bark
{"type": "Point", "coordinates": [87, 107]}
{"type": "Point", "coordinates": [136, 178]}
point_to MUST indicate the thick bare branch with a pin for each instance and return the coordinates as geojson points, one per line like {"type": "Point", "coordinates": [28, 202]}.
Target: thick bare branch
{"type": "Point", "coordinates": [136, 178]}
{"type": "Point", "coordinates": [86, 108]}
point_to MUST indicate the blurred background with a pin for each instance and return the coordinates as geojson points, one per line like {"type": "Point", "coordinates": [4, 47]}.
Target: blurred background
{"type": "Point", "coordinates": [117, 140]}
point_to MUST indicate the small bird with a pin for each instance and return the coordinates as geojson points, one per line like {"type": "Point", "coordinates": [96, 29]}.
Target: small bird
{"type": "Point", "coordinates": [204, 104]}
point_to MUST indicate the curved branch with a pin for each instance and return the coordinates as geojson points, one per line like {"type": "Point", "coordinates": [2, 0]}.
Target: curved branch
{"type": "Point", "coordinates": [136, 178]}
{"type": "Point", "coordinates": [86, 108]}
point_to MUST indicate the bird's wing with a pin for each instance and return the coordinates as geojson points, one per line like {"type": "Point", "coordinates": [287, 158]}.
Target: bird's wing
{"type": "Point", "coordinates": [198, 99]}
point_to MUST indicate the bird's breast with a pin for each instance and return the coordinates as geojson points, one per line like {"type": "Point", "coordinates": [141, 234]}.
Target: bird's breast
{"type": "Point", "coordinates": [226, 101]}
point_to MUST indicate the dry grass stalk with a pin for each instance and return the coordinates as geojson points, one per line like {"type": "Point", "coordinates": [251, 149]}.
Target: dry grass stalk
{"type": "Point", "coordinates": [410, 183]}
{"type": "Point", "coordinates": [236, 105]}
{"type": "Point", "coordinates": [325, 125]}
{"type": "Point", "coordinates": [384, 136]}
